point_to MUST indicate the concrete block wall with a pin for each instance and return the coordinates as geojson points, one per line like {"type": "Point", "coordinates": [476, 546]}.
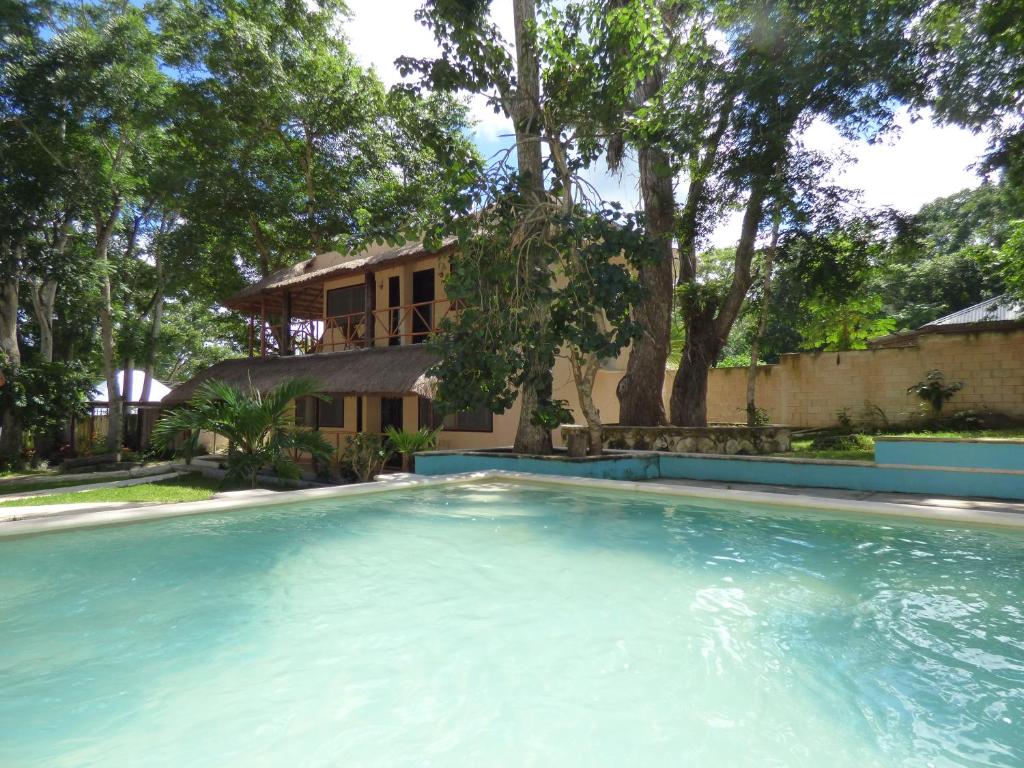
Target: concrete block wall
{"type": "Point", "coordinates": [810, 389]}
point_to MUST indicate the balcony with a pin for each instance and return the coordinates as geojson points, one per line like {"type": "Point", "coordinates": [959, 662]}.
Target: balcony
{"type": "Point", "coordinates": [388, 326]}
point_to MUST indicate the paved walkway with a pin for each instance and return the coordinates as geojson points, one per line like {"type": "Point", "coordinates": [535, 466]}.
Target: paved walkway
{"type": "Point", "coordinates": [907, 499]}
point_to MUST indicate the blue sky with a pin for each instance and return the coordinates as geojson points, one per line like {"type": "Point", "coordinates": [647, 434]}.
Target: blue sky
{"type": "Point", "coordinates": [921, 162]}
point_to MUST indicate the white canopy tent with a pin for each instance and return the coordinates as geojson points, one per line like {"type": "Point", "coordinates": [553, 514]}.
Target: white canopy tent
{"type": "Point", "coordinates": [157, 389]}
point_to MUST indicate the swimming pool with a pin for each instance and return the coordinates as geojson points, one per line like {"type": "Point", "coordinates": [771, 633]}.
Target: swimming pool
{"type": "Point", "coordinates": [507, 624]}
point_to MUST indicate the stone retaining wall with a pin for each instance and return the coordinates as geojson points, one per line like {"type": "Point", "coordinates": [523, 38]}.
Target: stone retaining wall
{"type": "Point", "coordinates": [729, 440]}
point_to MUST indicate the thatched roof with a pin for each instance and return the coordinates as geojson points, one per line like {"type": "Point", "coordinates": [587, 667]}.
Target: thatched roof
{"type": "Point", "coordinates": [385, 371]}
{"type": "Point", "coordinates": [303, 279]}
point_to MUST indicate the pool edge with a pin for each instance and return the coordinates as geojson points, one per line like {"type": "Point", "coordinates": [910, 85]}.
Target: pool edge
{"type": "Point", "coordinates": [93, 519]}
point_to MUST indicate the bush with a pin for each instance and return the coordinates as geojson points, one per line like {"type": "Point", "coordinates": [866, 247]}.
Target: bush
{"type": "Point", "coordinates": [408, 443]}
{"type": "Point", "coordinates": [365, 456]}
{"type": "Point", "coordinates": [934, 390]}
{"type": "Point", "coordinates": [260, 427]}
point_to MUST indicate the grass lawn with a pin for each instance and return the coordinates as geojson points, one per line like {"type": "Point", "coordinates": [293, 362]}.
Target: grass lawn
{"type": "Point", "coordinates": [45, 485]}
{"type": "Point", "coordinates": [193, 487]}
{"type": "Point", "coordinates": [802, 448]}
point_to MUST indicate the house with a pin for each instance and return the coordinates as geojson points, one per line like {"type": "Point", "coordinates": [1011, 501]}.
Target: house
{"type": "Point", "coordinates": [995, 315]}
{"type": "Point", "coordinates": [358, 324]}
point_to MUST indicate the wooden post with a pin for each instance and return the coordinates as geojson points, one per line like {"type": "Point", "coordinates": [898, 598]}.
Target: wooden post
{"type": "Point", "coordinates": [263, 327]}
{"type": "Point", "coordinates": [252, 333]}
{"type": "Point", "coordinates": [369, 306]}
{"type": "Point", "coordinates": [286, 324]}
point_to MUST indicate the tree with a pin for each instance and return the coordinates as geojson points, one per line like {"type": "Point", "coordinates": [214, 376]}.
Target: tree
{"type": "Point", "coordinates": [287, 146]}
{"type": "Point", "coordinates": [972, 52]}
{"type": "Point", "coordinates": [259, 426]}
{"type": "Point", "coordinates": [949, 255]}
{"type": "Point", "coordinates": [736, 84]}
{"type": "Point", "coordinates": [555, 287]}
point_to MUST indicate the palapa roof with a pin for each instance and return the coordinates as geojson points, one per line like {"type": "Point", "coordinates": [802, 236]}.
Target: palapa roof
{"type": "Point", "coordinates": [384, 371]}
{"type": "Point", "coordinates": [303, 280]}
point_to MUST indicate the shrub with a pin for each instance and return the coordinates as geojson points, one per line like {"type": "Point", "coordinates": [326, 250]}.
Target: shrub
{"type": "Point", "coordinates": [365, 456]}
{"type": "Point", "coordinates": [408, 443]}
{"type": "Point", "coordinates": [260, 427]}
{"type": "Point", "coordinates": [935, 390]}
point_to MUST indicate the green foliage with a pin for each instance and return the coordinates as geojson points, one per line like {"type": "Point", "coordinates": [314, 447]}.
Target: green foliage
{"type": "Point", "coordinates": [935, 390]}
{"type": "Point", "coordinates": [852, 442]}
{"type": "Point", "coordinates": [366, 454]}
{"type": "Point", "coordinates": [408, 443]}
{"type": "Point", "coordinates": [45, 395]}
{"type": "Point", "coordinates": [259, 427]}
{"type": "Point", "coordinates": [841, 326]}
{"type": "Point", "coordinates": [487, 348]}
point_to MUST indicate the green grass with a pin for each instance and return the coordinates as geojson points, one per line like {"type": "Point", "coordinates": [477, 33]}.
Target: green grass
{"type": "Point", "coordinates": [193, 487]}
{"type": "Point", "coordinates": [45, 485]}
{"type": "Point", "coordinates": [802, 448]}
{"type": "Point", "coordinates": [964, 434]}
{"type": "Point", "coordinates": [804, 452]}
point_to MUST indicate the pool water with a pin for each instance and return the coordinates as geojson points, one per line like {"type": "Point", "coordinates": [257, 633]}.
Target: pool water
{"type": "Point", "coordinates": [501, 625]}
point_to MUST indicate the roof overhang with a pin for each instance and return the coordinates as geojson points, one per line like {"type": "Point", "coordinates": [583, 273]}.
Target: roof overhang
{"type": "Point", "coordinates": [384, 371]}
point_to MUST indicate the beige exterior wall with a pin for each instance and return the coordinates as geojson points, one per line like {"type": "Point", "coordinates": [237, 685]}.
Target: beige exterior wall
{"type": "Point", "coordinates": [810, 389]}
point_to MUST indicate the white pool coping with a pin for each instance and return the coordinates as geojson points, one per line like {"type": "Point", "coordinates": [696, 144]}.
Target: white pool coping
{"type": "Point", "coordinates": [90, 519]}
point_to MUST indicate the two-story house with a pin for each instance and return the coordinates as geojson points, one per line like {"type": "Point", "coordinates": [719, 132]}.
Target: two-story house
{"type": "Point", "coordinates": [357, 325]}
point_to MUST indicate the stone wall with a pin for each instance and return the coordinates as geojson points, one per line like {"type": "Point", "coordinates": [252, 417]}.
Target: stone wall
{"type": "Point", "coordinates": [870, 386]}
{"type": "Point", "coordinates": [730, 440]}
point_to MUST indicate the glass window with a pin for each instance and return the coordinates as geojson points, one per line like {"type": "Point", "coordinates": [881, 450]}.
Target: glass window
{"type": "Point", "coordinates": [305, 412]}
{"type": "Point", "coordinates": [476, 420]}
{"type": "Point", "coordinates": [332, 411]}
{"type": "Point", "coordinates": [346, 301]}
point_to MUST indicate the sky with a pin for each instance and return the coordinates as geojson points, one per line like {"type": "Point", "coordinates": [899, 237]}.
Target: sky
{"type": "Point", "coordinates": [919, 162]}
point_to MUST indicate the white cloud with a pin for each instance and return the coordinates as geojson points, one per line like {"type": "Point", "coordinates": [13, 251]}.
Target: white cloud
{"type": "Point", "coordinates": [381, 31]}
{"type": "Point", "coordinates": [922, 162]}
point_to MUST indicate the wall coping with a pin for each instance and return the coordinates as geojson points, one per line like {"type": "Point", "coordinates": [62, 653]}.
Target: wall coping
{"type": "Point", "coordinates": [988, 440]}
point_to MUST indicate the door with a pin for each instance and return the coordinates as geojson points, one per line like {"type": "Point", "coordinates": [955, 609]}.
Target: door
{"type": "Point", "coordinates": [423, 307]}
{"type": "Point", "coordinates": [390, 413]}
{"type": "Point", "coordinates": [395, 315]}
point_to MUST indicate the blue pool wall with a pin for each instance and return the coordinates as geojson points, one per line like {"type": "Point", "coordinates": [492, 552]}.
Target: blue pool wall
{"type": "Point", "coordinates": [858, 476]}
{"type": "Point", "coordinates": [932, 452]}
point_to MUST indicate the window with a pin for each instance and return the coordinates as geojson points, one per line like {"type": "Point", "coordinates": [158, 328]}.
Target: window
{"type": "Point", "coordinates": [305, 412]}
{"type": "Point", "coordinates": [477, 420]}
{"type": "Point", "coordinates": [332, 411]}
{"type": "Point", "coordinates": [346, 301]}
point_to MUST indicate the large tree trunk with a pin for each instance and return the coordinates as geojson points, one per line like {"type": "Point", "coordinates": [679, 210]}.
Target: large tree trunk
{"type": "Point", "coordinates": [10, 426]}
{"type": "Point", "coordinates": [584, 372]}
{"type": "Point", "coordinates": [104, 231]}
{"type": "Point", "coordinates": [706, 331]}
{"type": "Point", "coordinates": [526, 118]}
{"type": "Point", "coordinates": [127, 394]}
{"type": "Point", "coordinates": [640, 390]}
{"type": "Point", "coordinates": [44, 296]}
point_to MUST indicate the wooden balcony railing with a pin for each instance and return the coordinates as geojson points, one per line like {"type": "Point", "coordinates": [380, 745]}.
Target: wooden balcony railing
{"type": "Point", "coordinates": [388, 326]}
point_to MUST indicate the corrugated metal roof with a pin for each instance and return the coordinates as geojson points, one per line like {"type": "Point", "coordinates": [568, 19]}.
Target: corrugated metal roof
{"type": "Point", "coordinates": [995, 310]}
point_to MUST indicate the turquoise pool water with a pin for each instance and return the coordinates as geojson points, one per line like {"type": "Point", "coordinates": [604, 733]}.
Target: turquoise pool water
{"type": "Point", "coordinates": [499, 625]}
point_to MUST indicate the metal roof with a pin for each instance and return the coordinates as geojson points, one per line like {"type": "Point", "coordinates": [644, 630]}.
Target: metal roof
{"type": "Point", "coordinates": [995, 310]}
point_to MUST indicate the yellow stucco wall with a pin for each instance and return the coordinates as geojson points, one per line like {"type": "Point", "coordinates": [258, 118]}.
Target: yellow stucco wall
{"type": "Point", "coordinates": [810, 389]}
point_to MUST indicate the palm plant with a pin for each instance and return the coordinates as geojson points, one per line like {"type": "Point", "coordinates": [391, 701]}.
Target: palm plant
{"type": "Point", "coordinates": [260, 427]}
{"type": "Point", "coordinates": [408, 443]}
